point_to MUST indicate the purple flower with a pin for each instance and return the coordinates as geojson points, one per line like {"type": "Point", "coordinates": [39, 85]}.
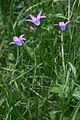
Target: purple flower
{"type": "Point", "coordinates": [35, 20]}
{"type": "Point", "coordinates": [62, 25]}
{"type": "Point", "coordinates": [18, 40]}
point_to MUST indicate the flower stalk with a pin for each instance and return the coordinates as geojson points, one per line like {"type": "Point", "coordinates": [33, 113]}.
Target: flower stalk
{"type": "Point", "coordinates": [62, 51]}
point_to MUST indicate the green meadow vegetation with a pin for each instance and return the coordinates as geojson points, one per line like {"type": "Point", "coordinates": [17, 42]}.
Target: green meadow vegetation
{"type": "Point", "coordinates": [40, 80]}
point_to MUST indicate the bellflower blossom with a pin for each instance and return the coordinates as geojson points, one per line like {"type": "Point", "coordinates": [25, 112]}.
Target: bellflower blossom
{"type": "Point", "coordinates": [18, 40]}
{"type": "Point", "coordinates": [35, 20]}
{"type": "Point", "coordinates": [62, 25]}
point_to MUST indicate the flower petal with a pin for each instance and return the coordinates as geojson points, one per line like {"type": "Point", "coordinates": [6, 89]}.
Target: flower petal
{"type": "Point", "coordinates": [39, 14]}
{"type": "Point", "coordinates": [67, 22]}
{"type": "Point", "coordinates": [63, 27]}
{"type": "Point", "coordinates": [33, 17]}
{"type": "Point", "coordinates": [61, 23]}
{"type": "Point", "coordinates": [15, 38]}
{"type": "Point", "coordinates": [18, 43]}
{"type": "Point", "coordinates": [43, 16]}
{"type": "Point", "coordinates": [21, 37]}
{"type": "Point", "coordinates": [37, 22]}
{"type": "Point", "coordinates": [28, 20]}
{"type": "Point", "coordinates": [55, 25]}
{"type": "Point", "coordinates": [11, 43]}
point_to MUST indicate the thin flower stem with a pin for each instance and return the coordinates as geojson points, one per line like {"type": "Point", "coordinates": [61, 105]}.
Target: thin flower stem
{"type": "Point", "coordinates": [62, 50]}
{"type": "Point", "coordinates": [69, 12]}
{"type": "Point", "coordinates": [17, 53]}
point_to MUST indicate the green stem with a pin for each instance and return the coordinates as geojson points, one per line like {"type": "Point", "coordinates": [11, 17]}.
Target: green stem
{"type": "Point", "coordinates": [35, 71]}
{"type": "Point", "coordinates": [17, 53]}
{"type": "Point", "coordinates": [62, 50]}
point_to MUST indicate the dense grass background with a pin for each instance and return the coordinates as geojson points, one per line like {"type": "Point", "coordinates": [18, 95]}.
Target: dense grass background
{"type": "Point", "coordinates": [33, 85]}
